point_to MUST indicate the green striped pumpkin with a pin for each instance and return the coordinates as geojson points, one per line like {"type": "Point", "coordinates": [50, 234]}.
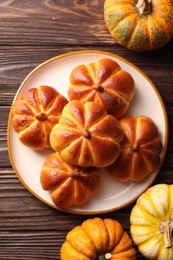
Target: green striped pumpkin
{"type": "Point", "coordinates": [140, 25]}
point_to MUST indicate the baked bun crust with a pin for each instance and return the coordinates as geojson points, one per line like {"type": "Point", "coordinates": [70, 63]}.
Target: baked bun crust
{"type": "Point", "coordinates": [34, 115]}
{"type": "Point", "coordinates": [140, 150]}
{"type": "Point", "coordinates": [86, 135]}
{"type": "Point", "coordinates": [69, 185]}
{"type": "Point", "coordinates": [105, 83]}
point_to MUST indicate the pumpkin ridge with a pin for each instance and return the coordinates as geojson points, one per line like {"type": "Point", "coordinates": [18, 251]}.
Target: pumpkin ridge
{"type": "Point", "coordinates": [149, 33]}
{"type": "Point", "coordinates": [75, 194]}
{"type": "Point", "coordinates": [71, 144]}
{"type": "Point", "coordinates": [160, 251]}
{"type": "Point", "coordinates": [124, 244]}
{"type": "Point", "coordinates": [64, 172]}
{"type": "Point", "coordinates": [35, 96]}
{"type": "Point", "coordinates": [54, 101]}
{"type": "Point", "coordinates": [170, 187]}
{"type": "Point", "coordinates": [96, 121]}
{"type": "Point", "coordinates": [24, 126]}
{"type": "Point", "coordinates": [112, 74]}
{"type": "Point", "coordinates": [134, 33]}
{"type": "Point", "coordinates": [74, 120]}
{"type": "Point", "coordinates": [97, 69]}
{"type": "Point", "coordinates": [60, 184]}
{"type": "Point", "coordinates": [32, 108]}
{"type": "Point", "coordinates": [154, 239]}
{"type": "Point", "coordinates": [145, 161]}
{"type": "Point", "coordinates": [54, 190]}
{"type": "Point", "coordinates": [107, 236]}
{"type": "Point", "coordinates": [120, 5]}
{"type": "Point", "coordinates": [134, 140]}
{"type": "Point", "coordinates": [149, 149]}
{"type": "Point", "coordinates": [144, 157]}
{"type": "Point", "coordinates": [86, 186]}
{"type": "Point", "coordinates": [40, 104]}
{"type": "Point", "coordinates": [123, 97]}
{"type": "Point", "coordinates": [98, 253]}
{"type": "Point", "coordinates": [90, 151]}
{"type": "Point", "coordinates": [90, 96]}
{"type": "Point", "coordinates": [152, 205]}
{"type": "Point", "coordinates": [75, 139]}
{"type": "Point", "coordinates": [68, 244]}
{"type": "Point", "coordinates": [118, 24]}
{"type": "Point", "coordinates": [90, 239]}
{"type": "Point", "coordinates": [93, 96]}
{"type": "Point", "coordinates": [153, 236]}
{"type": "Point", "coordinates": [92, 72]}
{"type": "Point", "coordinates": [51, 104]}
{"type": "Point", "coordinates": [103, 137]}
{"type": "Point", "coordinates": [25, 129]}
{"type": "Point", "coordinates": [51, 120]}
{"type": "Point", "coordinates": [99, 117]}
{"type": "Point", "coordinates": [44, 127]}
{"type": "Point", "coordinates": [144, 145]}
{"type": "Point", "coordinates": [68, 123]}
{"type": "Point", "coordinates": [163, 24]}
{"type": "Point", "coordinates": [57, 170]}
{"type": "Point", "coordinates": [39, 101]}
{"type": "Point", "coordinates": [154, 23]}
{"type": "Point", "coordinates": [145, 212]}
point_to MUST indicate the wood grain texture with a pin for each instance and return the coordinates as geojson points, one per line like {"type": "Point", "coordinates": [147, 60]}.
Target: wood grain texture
{"type": "Point", "coordinates": [30, 33]}
{"type": "Point", "coordinates": [53, 22]}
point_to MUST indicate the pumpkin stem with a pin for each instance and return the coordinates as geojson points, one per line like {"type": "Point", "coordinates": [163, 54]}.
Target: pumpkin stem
{"type": "Point", "coordinates": [41, 117]}
{"type": "Point", "coordinates": [106, 256]}
{"type": "Point", "coordinates": [166, 228]}
{"type": "Point", "coordinates": [86, 134]}
{"type": "Point", "coordinates": [144, 6]}
{"type": "Point", "coordinates": [74, 174]}
{"type": "Point", "coordinates": [99, 88]}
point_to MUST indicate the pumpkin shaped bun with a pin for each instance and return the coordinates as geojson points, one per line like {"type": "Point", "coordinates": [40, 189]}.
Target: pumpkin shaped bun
{"type": "Point", "coordinates": [86, 135]}
{"type": "Point", "coordinates": [34, 115]}
{"type": "Point", "coordinates": [98, 239]}
{"type": "Point", "coordinates": [69, 185]}
{"type": "Point", "coordinates": [140, 149]}
{"type": "Point", "coordinates": [104, 82]}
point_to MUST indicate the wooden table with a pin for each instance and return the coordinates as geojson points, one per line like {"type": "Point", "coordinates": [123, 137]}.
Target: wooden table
{"type": "Point", "coordinates": [30, 33]}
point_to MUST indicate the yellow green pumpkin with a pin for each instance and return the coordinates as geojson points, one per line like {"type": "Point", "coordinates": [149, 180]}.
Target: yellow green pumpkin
{"type": "Point", "coordinates": [140, 25]}
{"type": "Point", "coordinates": [152, 222]}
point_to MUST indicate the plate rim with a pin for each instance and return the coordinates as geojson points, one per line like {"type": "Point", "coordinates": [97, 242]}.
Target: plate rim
{"type": "Point", "coordinates": [166, 136]}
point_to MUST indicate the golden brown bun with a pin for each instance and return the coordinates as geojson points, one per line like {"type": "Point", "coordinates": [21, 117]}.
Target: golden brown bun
{"type": "Point", "coordinates": [105, 83]}
{"type": "Point", "coordinates": [69, 185]}
{"type": "Point", "coordinates": [86, 135]}
{"type": "Point", "coordinates": [34, 115]}
{"type": "Point", "coordinates": [140, 150]}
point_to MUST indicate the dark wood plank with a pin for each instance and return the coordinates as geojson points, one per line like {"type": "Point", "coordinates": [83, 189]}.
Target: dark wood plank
{"type": "Point", "coordinates": [53, 22]}
{"type": "Point", "coordinates": [19, 61]}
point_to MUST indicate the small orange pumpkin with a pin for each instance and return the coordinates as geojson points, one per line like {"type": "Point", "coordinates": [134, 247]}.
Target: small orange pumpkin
{"type": "Point", "coordinates": [98, 239]}
{"type": "Point", "coordinates": [140, 25]}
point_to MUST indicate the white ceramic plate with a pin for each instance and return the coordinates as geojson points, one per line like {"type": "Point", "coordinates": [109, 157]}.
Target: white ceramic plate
{"type": "Point", "coordinates": [55, 72]}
